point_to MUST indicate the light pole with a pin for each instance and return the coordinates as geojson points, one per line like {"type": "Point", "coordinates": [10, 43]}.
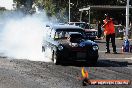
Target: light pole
{"type": "Point", "coordinates": [126, 41]}
{"type": "Point", "coordinates": [127, 19]}
{"type": "Point", "coordinates": [69, 10]}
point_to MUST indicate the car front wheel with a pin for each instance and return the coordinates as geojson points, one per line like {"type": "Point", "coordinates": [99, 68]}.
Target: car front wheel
{"type": "Point", "coordinates": [93, 61]}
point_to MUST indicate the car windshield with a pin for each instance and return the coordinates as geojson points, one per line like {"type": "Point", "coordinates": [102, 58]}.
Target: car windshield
{"type": "Point", "coordinates": [84, 25]}
{"type": "Point", "coordinates": [62, 34]}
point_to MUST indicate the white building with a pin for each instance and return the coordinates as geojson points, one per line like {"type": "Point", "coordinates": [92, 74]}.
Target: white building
{"type": "Point", "coordinates": [8, 4]}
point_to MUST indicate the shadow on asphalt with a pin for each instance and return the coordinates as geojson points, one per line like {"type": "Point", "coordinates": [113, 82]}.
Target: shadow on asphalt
{"type": "Point", "coordinates": [112, 63]}
{"type": "Point", "coordinates": [100, 63]}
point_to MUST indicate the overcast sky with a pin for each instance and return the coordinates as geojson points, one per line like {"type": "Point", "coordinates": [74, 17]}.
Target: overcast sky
{"type": "Point", "coordinates": [6, 3]}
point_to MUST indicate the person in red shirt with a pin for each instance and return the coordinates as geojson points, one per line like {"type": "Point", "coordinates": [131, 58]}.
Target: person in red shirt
{"type": "Point", "coordinates": [109, 32]}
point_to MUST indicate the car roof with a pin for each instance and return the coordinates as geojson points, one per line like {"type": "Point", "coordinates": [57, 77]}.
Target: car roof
{"type": "Point", "coordinates": [77, 22]}
{"type": "Point", "coordinates": [66, 27]}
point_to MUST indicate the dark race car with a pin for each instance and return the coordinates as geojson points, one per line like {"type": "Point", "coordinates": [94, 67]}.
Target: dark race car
{"type": "Point", "coordinates": [67, 42]}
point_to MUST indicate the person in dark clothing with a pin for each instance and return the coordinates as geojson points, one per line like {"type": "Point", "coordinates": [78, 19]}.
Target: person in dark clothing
{"type": "Point", "coordinates": [99, 30]}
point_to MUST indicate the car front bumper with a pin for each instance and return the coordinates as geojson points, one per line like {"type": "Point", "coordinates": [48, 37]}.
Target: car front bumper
{"type": "Point", "coordinates": [75, 55]}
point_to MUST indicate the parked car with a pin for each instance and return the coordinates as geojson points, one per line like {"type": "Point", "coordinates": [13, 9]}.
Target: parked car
{"type": "Point", "coordinates": [91, 33]}
{"type": "Point", "coordinates": [67, 43]}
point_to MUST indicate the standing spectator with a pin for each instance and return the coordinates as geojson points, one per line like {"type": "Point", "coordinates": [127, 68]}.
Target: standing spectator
{"type": "Point", "coordinates": [124, 31]}
{"type": "Point", "coordinates": [109, 31]}
{"type": "Point", "coordinates": [99, 30]}
{"type": "Point", "coordinates": [120, 32]}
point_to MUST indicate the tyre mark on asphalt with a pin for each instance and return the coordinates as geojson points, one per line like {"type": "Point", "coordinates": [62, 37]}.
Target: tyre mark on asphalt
{"type": "Point", "coordinates": [53, 73]}
{"type": "Point", "coordinates": [107, 63]}
{"type": "Point", "coordinates": [64, 75]}
{"type": "Point", "coordinates": [123, 71]}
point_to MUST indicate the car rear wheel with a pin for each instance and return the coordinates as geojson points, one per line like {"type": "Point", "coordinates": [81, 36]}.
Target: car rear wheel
{"type": "Point", "coordinates": [55, 58]}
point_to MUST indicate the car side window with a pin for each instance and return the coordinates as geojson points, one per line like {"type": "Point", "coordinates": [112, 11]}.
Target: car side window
{"type": "Point", "coordinates": [61, 35]}
{"type": "Point", "coordinates": [57, 35]}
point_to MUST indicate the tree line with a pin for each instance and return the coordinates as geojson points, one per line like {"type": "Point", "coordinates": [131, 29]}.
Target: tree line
{"type": "Point", "coordinates": [60, 8]}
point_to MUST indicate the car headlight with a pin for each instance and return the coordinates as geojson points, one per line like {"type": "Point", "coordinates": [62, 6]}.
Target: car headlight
{"type": "Point", "coordinates": [95, 48]}
{"type": "Point", "coordinates": [60, 47]}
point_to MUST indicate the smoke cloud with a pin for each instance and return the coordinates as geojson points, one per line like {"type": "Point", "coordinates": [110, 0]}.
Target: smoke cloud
{"type": "Point", "coordinates": [21, 36]}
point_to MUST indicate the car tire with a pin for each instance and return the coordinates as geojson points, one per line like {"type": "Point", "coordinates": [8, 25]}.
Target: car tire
{"type": "Point", "coordinates": [94, 61]}
{"type": "Point", "coordinates": [55, 58]}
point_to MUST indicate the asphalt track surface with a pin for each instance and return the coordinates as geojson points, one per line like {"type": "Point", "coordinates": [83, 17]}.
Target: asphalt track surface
{"type": "Point", "coordinates": [21, 73]}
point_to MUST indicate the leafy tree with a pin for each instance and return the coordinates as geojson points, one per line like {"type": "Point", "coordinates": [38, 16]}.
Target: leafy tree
{"type": "Point", "coordinates": [20, 2]}
{"type": "Point", "coordinates": [60, 8]}
{"type": "Point", "coordinates": [47, 5]}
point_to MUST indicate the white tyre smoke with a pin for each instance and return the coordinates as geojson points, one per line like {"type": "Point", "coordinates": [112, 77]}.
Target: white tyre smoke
{"type": "Point", "coordinates": [22, 38]}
